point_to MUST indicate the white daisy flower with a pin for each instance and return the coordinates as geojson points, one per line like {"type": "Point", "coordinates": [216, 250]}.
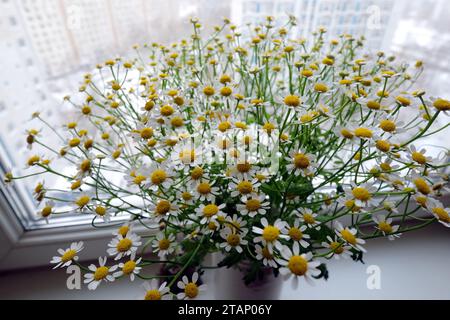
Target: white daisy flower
{"type": "Point", "coordinates": [125, 229]}
{"type": "Point", "coordinates": [296, 233]}
{"type": "Point", "coordinates": [243, 169]}
{"type": "Point", "coordinates": [163, 208]}
{"type": "Point", "coordinates": [186, 196]}
{"type": "Point", "coordinates": [362, 194]}
{"type": "Point", "coordinates": [85, 166]}
{"type": "Point", "coordinates": [155, 291]}
{"type": "Point", "coordinates": [263, 253]}
{"type": "Point", "coordinates": [191, 289]}
{"type": "Point", "coordinates": [437, 209]}
{"type": "Point", "coordinates": [244, 188]}
{"type": "Point", "coordinates": [135, 177]}
{"type": "Point", "coordinates": [301, 163]}
{"type": "Point", "coordinates": [294, 264]}
{"type": "Point", "coordinates": [233, 240]}
{"type": "Point", "coordinates": [237, 223]}
{"type": "Point", "coordinates": [386, 227]}
{"type": "Point", "coordinates": [421, 184]}
{"type": "Point", "coordinates": [337, 249]}
{"type": "Point", "coordinates": [163, 245]}
{"type": "Point", "coordinates": [186, 155]}
{"type": "Point", "coordinates": [307, 217]}
{"type": "Point", "coordinates": [99, 274]}
{"type": "Point", "coordinates": [391, 126]}
{"type": "Point", "coordinates": [271, 234]}
{"type": "Point", "coordinates": [124, 246]}
{"type": "Point", "coordinates": [47, 210]}
{"type": "Point", "coordinates": [349, 236]}
{"type": "Point", "coordinates": [203, 190]}
{"type": "Point", "coordinates": [209, 212]}
{"type": "Point", "coordinates": [422, 200]}
{"type": "Point", "coordinates": [418, 157]}
{"type": "Point", "coordinates": [254, 205]}
{"type": "Point", "coordinates": [129, 268]}
{"type": "Point", "coordinates": [67, 256]}
{"type": "Point", "coordinates": [159, 176]}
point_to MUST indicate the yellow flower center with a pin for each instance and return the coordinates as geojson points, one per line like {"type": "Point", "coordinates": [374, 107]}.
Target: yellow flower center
{"type": "Point", "coordinates": [347, 133]}
{"type": "Point", "coordinates": [348, 236]}
{"type": "Point", "coordinates": [350, 204]}
{"type": "Point", "coordinates": [308, 218]}
{"type": "Point", "coordinates": [210, 210]}
{"type": "Point", "coordinates": [295, 234]}
{"type": "Point", "coordinates": [158, 176]}
{"type": "Point", "coordinates": [243, 167]}
{"type": "Point", "coordinates": [129, 267]}
{"type": "Point", "coordinates": [226, 91]}
{"type": "Point", "coordinates": [269, 127]}
{"type": "Point", "coordinates": [177, 122]}
{"type": "Point", "coordinates": [245, 187]}
{"type": "Point", "coordinates": [336, 247]}
{"type": "Point", "coordinates": [422, 186]}
{"type": "Point", "coordinates": [162, 207]}
{"type": "Point", "coordinates": [123, 230]}
{"type": "Point", "coordinates": [101, 211]}
{"type": "Point", "coordinates": [204, 188]}
{"type": "Point", "coordinates": [298, 265]}
{"type": "Point", "coordinates": [374, 105]}
{"type": "Point", "coordinates": [153, 294]}
{"type": "Point", "coordinates": [307, 73]}
{"type": "Point", "coordinates": [124, 245]}
{"type": "Point", "coordinates": [208, 91]}
{"type": "Point", "coordinates": [68, 255]}
{"type": "Point", "coordinates": [224, 126]}
{"type": "Point", "coordinates": [361, 193]}
{"type": "Point", "coordinates": [388, 125]}
{"type": "Point", "coordinates": [186, 196]}
{"type": "Point", "coordinates": [442, 214]}
{"type": "Point", "coordinates": [164, 244]}
{"type": "Point", "coordinates": [101, 273]}
{"type": "Point", "coordinates": [139, 179]}
{"type": "Point", "coordinates": [253, 204]}
{"type": "Point", "coordinates": [270, 233]}
{"type": "Point", "coordinates": [86, 110]}
{"type": "Point", "coordinates": [320, 87]}
{"type": "Point", "coordinates": [363, 133]}
{"type": "Point", "coordinates": [196, 173]}
{"type": "Point", "coordinates": [149, 105]}
{"type": "Point", "coordinates": [441, 104]}
{"type": "Point", "coordinates": [191, 290]}
{"type": "Point", "coordinates": [301, 161]}
{"type": "Point", "coordinates": [225, 79]}
{"type": "Point", "coordinates": [146, 133]}
{"type": "Point", "coordinates": [383, 145]}
{"type": "Point", "coordinates": [292, 101]}
{"type": "Point", "coordinates": [233, 240]}
{"type": "Point", "coordinates": [385, 227]}
{"type": "Point", "coordinates": [85, 166]}
{"type": "Point", "coordinates": [82, 201]}
{"type": "Point", "coordinates": [167, 110]}
{"type": "Point", "coordinates": [403, 101]}
{"type": "Point", "coordinates": [419, 157]}
{"type": "Point", "coordinates": [422, 201]}
{"type": "Point", "coordinates": [74, 142]}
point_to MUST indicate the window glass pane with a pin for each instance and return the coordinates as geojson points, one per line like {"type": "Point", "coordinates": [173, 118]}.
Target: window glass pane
{"type": "Point", "coordinates": [47, 45]}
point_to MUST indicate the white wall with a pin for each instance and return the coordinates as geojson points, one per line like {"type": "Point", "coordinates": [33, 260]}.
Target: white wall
{"type": "Point", "coordinates": [413, 267]}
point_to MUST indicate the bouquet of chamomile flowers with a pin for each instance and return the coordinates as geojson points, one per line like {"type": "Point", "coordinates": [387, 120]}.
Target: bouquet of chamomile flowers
{"type": "Point", "coordinates": [278, 152]}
